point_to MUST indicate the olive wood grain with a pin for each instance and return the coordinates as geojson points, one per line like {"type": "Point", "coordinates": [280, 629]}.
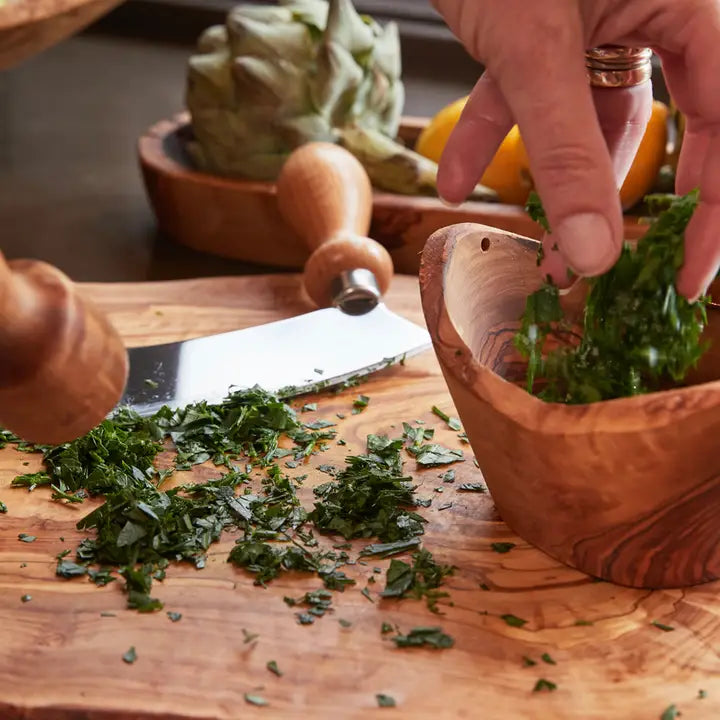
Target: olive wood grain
{"type": "Point", "coordinates": [63, 366]}
{"type": "Point", "coordinates": [60, 659]}
{"type": "Point", "coordinates": [626, 490]}
{"type": "Point", "coordinates": [240, 220]}
{"type": "Point", "coordinates": [28, 27]}
{"type": "Point", "coordinates": [325, 195]}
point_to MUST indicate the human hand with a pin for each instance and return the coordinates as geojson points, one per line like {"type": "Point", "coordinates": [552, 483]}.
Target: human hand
{"type": "Point", "coordinates": [581, 141]}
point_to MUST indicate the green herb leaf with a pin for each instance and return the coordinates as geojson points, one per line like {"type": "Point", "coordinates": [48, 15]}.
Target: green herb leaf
{"type": "Point", "coordinates": [670, 713]}
{"type": "Point", "coordinates": [248, 636]}
{"type": "Point", "coordinates": [434, 455]}
{"type": "Point", "coordinates": [360, 403]}
{"type": "Point", "coordinates": [513, 620]}
{"type": "Point", "coordinates": [528, 662]}
{"type": "Point", "coordinates": [545, 657]}
{"type": "Point", "coordinates": [69, 569]}
{"type": "Point", "coordinates": [453, 423]}
{"type": "Point", "coordinates": [419, 580]}
{"type": "Point", "coordinates": [660, 626]}
{"type": "Point", "coordinates": [433, 637]}
{"type": "Point", "coordinates": [130, 656]}
{"type": "Point", "coordinates": [392, 548]}
{"type": "Point", "coordinates": [174, 616]}
{"type": "Point", "coordinates": [386, 628]}
{"type": "Point", "coordinates": [272, 666]}
{"type": "Point", "coordinates": [24, 537]}
{"type": "Point", "coordinates": [543, 684]}
{"type": "Point", "coordinates": [257, 700]}
{"type": "Point", "coordinates": [471, 487]}
{"type": "Point", "coordinates": [3, 507]}
{"type": "Point", "coordinates": [26, 598]}
{"type": "Point", "coordinates": [502, 547]}
{"type": "Point", "coordinates": [385, 700]}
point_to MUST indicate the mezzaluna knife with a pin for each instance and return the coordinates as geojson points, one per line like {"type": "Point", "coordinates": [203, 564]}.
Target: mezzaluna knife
{"type": "Point", "coordinates": [325, 195]}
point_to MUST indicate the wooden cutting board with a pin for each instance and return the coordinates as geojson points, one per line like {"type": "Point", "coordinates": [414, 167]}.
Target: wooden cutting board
{"type": "Point", "coordinates": [61, 658]}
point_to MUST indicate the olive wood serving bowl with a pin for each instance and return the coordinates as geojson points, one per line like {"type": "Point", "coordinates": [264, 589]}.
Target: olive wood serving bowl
{"type": "Point", "coordinates": [28, 27]}
{"type": "Point", "coordinates": [626, 490]}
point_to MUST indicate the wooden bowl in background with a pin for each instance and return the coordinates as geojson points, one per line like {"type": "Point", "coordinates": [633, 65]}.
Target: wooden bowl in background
{"type": "Point", "coordinates": [28, 27]}
{"type": "Point", "coordinates": [239, 219]}
{"type": "Point", "coordinates": [626, 490]}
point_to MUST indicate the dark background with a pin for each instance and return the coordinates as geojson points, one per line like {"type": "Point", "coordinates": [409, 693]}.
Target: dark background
{"type": "Point", "coordinates": [70, 188]}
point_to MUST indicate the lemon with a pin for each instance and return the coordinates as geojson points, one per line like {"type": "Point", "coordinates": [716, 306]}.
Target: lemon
{"type": "Point", "coordinates": [649, 159]}
{"type": "Point", "coordinates": [509, 171]}
{"type": "Point", "coordinates": [508, 174]}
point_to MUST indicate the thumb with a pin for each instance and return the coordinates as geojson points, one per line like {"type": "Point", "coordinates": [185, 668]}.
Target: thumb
{"type": "Point", "coordinates": [542, 77]}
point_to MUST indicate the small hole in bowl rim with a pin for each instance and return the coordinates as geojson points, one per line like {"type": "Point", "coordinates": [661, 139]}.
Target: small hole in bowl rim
{"type": "Point", "coordinates": [485, 244]}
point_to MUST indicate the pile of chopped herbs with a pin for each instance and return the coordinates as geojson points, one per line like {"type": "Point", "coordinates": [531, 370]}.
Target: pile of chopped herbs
{"type": "Point", "coordinates": [637, 334]}
{"type": "Point", "coordinates": [144, 524]}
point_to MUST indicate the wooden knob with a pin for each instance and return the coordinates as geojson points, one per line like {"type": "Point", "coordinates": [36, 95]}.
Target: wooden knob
{"type": "Point", "coordinates": [325, 195]}
{"type": "Point", "coordinates": [63, 367]}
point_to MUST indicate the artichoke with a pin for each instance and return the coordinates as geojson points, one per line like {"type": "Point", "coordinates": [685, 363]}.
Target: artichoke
{"type": "Point", "coordinates": [275, 77]}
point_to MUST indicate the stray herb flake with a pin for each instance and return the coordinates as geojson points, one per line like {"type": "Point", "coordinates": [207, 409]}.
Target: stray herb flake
{"type": "Point", "coordinates": [670, 713]}
{"type": "Point", "coordinates": [69, 569]}
{"type": "Point", "coordinates": [502, 547]}
{"type": "Point", "coordinates": [528, 662]}
{"type": "Point", "coordinates": [513, 620]}
{"type": "Point", "coordinates": [24, 537]}
{"type": "Point", "coordinates": [471, 487]}
{"type": "Point", "coordinates": [453, 423]}
{"type": "Point", "coordinates": [432, 637]}
{"type": "Point", "coordinates": [661, 626]}
{"type": "Point", "coordinates": [360, 403]}
{"type": "Point", "coordinates": [272, 666]}
{"type": "Point", "coordinates": [419, 580]}
{"type": "Point", "coordinates": [385, 700]}
{"type": "Point", "coordinates": [248, 636]}
{"type": "Point", "coordinates": [130, 656]}
{"type": "Point", "coordinates": [257, 700]}
{"type": "Point", "coordinates": [26, 598]}
{"type": "Point", "coordinates": [545, 657]}
{"type": "Point", "coordinates": [3, 507]}
{"type": "Point", "coordinates": [543, 684]}
{"type": "Point", "coordinates": [434, 455]}
{"type": "Point", "coordinates": [174, 616]}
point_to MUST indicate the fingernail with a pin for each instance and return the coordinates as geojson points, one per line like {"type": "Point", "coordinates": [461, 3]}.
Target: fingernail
{"type": "Point", "coordinates": [451, 205]}
{"type": "Point", "coordinates": [587, 243]}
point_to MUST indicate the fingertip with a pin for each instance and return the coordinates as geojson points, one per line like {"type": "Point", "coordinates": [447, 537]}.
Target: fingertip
{"type": "Point", "coordinates": [588, 243]}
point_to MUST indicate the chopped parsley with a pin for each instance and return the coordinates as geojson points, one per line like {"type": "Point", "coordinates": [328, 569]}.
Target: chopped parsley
{"type": "Point", "coordinates": [130, 656]}
{"type": "Point", "coordinates": [502, 547]}
{"type": "Point", "coordinates": [638, 334]}
{"type": "Point", "coordinates": [432, 637]}
{"type": "Point", "coordinates": [543, 684]}
{"type": "Point", "coordinates": [385, 700]}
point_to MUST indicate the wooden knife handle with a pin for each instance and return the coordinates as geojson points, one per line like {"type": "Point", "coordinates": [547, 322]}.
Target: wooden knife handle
{"type": "Point", "coordinates": [63, 366]}
{"type": "Point", "coordinates": [325, 195]}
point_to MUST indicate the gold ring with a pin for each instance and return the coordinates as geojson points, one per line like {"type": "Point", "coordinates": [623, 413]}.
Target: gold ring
{"type": "Point", "coordinates": [612, 66]}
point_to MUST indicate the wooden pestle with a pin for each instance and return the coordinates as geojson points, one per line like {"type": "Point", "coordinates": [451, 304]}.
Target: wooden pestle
{"type": "Point", "coordinates": [63, 366]}
{"type": "Point", "coordinates": [325, 195]}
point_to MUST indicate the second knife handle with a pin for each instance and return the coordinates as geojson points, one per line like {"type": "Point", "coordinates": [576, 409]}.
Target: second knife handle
{"type": "Point", "coordinates": [325, 195]}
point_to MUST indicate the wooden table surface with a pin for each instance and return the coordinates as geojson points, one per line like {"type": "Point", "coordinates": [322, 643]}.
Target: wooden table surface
{"type": "Point", "coordinates": [61, 659]}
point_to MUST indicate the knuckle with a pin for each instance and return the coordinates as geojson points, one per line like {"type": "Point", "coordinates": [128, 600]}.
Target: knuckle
{"type": "Point", "coordinates": [563, 165]}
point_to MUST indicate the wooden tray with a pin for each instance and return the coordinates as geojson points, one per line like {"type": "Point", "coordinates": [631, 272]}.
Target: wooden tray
{"type": "Point", "coordinates": [28, 27]}
{"type": "Point", "coordinates": [239, 219]}
{"type": "Point", "coordinates": [61, 660]}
